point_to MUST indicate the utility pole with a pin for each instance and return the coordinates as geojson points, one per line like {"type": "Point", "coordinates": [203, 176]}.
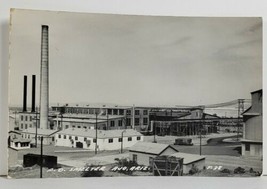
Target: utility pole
{"type": "Point", "coordinates": [41, 157]}
{"type": "Point", "coordinates": [239, 111]}
{"type": "Point", "coordinates": [41, 163]}
{"type": "Point", "coordinates": [36, 128]}
{"type": "Point", "coordinates": [200, 142]}
{"type": "Point", "coordinates": [122, 141]}
{"type": "Point", "coordinates": [96, 133]}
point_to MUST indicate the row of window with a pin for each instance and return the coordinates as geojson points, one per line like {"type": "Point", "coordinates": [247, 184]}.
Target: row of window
{"type": "Point", "coordinates": [94, 140]}
{"type": "Point", "coordinates": [137, 121]}
{"type": "Point", "coordinates": [28, 136]}
{"type": "Point", "coordinates": [110, 111]}
{"type": "Point", "coordinates": [26, 126]}
{"type": "Point", "coordinates": [26, 117]}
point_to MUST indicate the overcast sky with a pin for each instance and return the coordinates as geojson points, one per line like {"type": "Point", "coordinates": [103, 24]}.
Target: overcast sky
{"type": "Point", "coordinates": [142, 60]}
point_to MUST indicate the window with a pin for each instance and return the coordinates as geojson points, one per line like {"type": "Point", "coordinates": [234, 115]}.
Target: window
{"type": "Point", "coordinates": [21, 126]}
{"type": "Point", "coordinates": [120, 123]}
{"type": "Point", "coordinates": [134, 158]}
{"type": "Point", "coordinates": [145, 112]}
{"type": "Point", "coordinates": [129, 138]}
{"type": "Point", "coordinates": [28, 136]}
{"type": "Point", "coordinates": [112, 123]}
{"type": "Point", "coordinates": [138, 138]}
{"type": "Point", "coordinates": [120, 140]}
{"type": "Point", "coordinates": [136, 121]}
{"type": "Point", "coordinates": [26, 118]}
{"type": "Point", "coordinates": [65, 136]}
{"type": "Point", "coordinates": [94, 140]}
{"type": "Point", "coordinates": [59, 136]}
{"type": "Point", "coordinates": [70, 137]}
{"type": "Point", "coordinates": [79, 127]}
{"type": "Point", "coordinates": [21, 117]}
{"type": "Point", "coordinates": [84, 127]}
{"type": "Point", "coordinates": [53, 139]}
{"type": "Point", "coordinates": [30, 125]}
{"type": "Point", "coordinates": [39, 138]}
{"type": "Point", "coordinates": [128, 112]}
{"type": "Point", "coordinates": [76, 138]}
{"type": "Point", "coordinates": [73, 126]}
{"type": "Point", "coordinates": [66, 126]}
{"type": "Point", "coordinates": [109, 111]}
{"type": "Point", "coordinates": [145, 121]}
{"type": "Point", "coordinates": [121, 112]}
{"type": "Point", "coordinates": [247, 147]}
{"type": "Point", "coordinates": [128, 121]}
{"type": "Point", "coordinates": [137, 112]}
{"type": "Point", "coordinates": [85, 139]}
{"type": "Point", "coordinates": [110, 140]}
{"type": "Point", "coordinates": [30, 118]}
{"type": "Point", "coordinates": [26, 126]}
{"type": "Point", "coordinates": [115, 112]}
{"type": "Point", "coordinates": [91, 111]}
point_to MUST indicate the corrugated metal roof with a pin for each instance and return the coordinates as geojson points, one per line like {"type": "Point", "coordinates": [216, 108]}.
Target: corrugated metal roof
{"type": "Point", "coordinates": [39, 131]}
{"type": "Point", "coordinates": [100, 133]}
{"type": "Point", "coordinates": [149, 147]}
{"type": "Point", "coordinates": [188, 158]}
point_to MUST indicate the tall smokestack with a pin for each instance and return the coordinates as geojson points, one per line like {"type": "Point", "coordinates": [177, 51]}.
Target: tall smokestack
{"type": "Point", "coordinates": [25, 94]}
{"type": "Point", "coordinates": [44, 83]}
{"type": "Point", "coordinates": [33, 92]}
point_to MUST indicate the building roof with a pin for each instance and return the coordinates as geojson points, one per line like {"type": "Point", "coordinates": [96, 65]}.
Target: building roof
{"type": "Point", "coordinates": [257, 91]}
{"type": "Point", "coordinates": [150, 148]}
{"type": "Point", "coordinates": [100, 133]}
{"type": "Point", "coordinates": [79, 120]}
{"type": "Point", "coordinates": [14, 131]}
{"type": "Point", "coordinates": [39, 131]}
{"type": "Point", "coordinates": [91, 116]}
{"type": "Point", "coordinates": [188, 158]}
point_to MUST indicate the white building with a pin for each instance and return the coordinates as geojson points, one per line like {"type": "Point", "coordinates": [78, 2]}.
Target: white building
{"type": "Point", "coordinates": [106, 139]}
{"type": "Point", "coordinates": [17, 142]}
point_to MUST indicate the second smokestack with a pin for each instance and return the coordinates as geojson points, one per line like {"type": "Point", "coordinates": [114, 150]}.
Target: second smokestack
{"type": "Point", "coordinates": [33, 92]}
{"type": "Point", "coordinates": [25, 94]}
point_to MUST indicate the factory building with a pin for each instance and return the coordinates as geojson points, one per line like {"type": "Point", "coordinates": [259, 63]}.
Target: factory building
{"type": "Point", "coordinates": [190, 122]}
{"type": "Point", "coordinates": [106, 139]}
{"type": "Point", "coordinates": [121, 116]}
{"type": "Point", "coordinates": [252, 134]}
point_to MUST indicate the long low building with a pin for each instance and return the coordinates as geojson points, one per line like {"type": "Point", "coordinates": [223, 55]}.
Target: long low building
{"type": "Point", "coordinates": [105, 139]}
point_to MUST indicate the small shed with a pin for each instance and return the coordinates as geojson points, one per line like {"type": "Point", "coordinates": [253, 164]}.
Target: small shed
{"type": "Point", "coordinates": [190, 160]}
{"type": "Point", "coordinates": [143, 153]}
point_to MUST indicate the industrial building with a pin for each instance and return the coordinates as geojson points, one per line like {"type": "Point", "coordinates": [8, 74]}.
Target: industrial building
{"type": "Point", "coordinates": [252, 134]}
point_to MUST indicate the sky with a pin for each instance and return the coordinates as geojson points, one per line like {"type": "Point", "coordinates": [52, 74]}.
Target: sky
{"type": "Point", "coordinates": [141, 60]}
